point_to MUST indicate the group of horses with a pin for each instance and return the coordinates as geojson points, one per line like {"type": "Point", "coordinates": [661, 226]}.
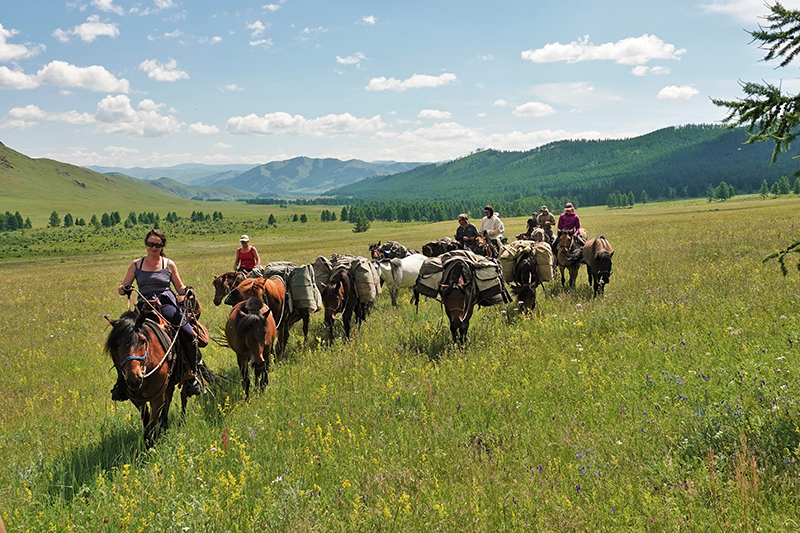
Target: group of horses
{"type": "Point", "coordinates": [143, 348]}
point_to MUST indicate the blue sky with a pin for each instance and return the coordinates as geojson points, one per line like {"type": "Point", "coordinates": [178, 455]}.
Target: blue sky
{"type": "Point", "coordinates": [162, 82]}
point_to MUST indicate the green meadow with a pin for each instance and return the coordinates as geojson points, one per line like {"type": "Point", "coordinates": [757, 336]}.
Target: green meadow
{"type": "Point", "coordinates": [669, 404]}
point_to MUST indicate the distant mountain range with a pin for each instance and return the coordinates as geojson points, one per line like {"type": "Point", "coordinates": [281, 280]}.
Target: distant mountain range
{"type": "Point", "coordinates": [297, 177]}
{"type": "Point", "coordinates": [676, 161]}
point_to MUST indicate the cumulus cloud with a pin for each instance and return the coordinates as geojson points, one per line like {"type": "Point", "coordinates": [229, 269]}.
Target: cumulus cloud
{"type": "Point", "coordinates": [434, 113]}
{"type": "Point", "coordinates": [231, 87]}
{"type": "Point", "coordinates": [120, 150]}
{"type": "Point", "coordinates": [14, 52]}
{"type": "Point", "coordinates": [417, 81]}
{"type": "Point", "coordinates": [309, 33]}
{"type": "Point", "coordinates": [630, 51]}
{"type": "Point", "coordinates": [223, 146]}
{"type": "Point", "coordinates": [62, 74]}
{"type": "Point", "coordinates": [370, 20]}
{"type": "Point", "coordinates": [116, 115]}
{"type": "Point", "coordinates": [745, 10]}
{"type": "Point", "coordinates": [354, 59]}
{"type": "Point", "coordinates": [199, 128]}
{"type": "Point", "coordinates": [642, 70]}
{"type": "Point", "coordinates": [533, 109]}
{"type": "Point", "coordinates": [271, 7]}
{"type": "Point", "coordinates": [89, 30]}
{"type": "Point", "coordinates": [31, 115]}
{"type": "Point", "coordinates": [577, 95]}
{"type": "Point", "coordinates": [108, 6]}
{"type": "Point", "coordinates": [173, 34]}
{"type": "Point", "coordinates": [501, 103]}
{"type": "Point", "coordinates": [266, 43]}
{"type": "Point", "coordinates": [281, 123]}
{"type": "Point", "coordinates": [673, 92]}
{"type": "Point", "coordinates": [257, 29]}
{"type": "Point", "coordinates": [164, 4]}
{"type": "Point", "coordinates": [158, 71]}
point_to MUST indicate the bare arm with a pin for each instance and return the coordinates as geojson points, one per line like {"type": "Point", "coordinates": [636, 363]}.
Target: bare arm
{"type": "Point", "coordinates": [236, 263]}
{"type": "Point", "coordinates": [180, 288]}
{"type": "Point", "coordinates": [128, 278]}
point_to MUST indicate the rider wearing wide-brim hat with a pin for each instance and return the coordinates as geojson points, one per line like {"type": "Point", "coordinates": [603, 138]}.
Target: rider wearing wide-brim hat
{"type": "Point", "coordinates": [569, 221]}
{"type": "Point", "coordinates": [543, 219]}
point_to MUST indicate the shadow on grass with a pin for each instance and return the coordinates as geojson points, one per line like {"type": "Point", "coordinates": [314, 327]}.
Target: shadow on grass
{"type": "Point", "coordinates": [76, 472]}
{"type": "Point", "coordinates": [222, 395]}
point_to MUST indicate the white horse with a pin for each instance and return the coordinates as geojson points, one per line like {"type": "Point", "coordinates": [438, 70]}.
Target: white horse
{"type": "Point", "coordinates": [400, 273]}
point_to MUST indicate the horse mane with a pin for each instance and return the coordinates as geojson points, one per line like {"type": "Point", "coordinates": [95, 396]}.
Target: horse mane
{"type": "Point", "coordinates": [251, 287]}
{"type": "Point", "coordinates": [124, 330]}
{"type": "Point", "coordinates": [253, 318]}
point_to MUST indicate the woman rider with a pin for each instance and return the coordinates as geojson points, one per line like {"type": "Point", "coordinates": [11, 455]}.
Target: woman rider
{"type": "Point", "coordinates": [246, 256]}
{"type": "Point", "coordinates": [569, 221]}
{"type": "Point", "coordinates": [466, 232]}
{"type": "Point", "coordinates": [153, 274]}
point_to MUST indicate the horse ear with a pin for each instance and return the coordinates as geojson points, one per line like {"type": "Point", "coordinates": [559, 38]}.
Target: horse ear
{"type": "Point", "coordinates": [611, 254]}
{"type": "Point", "coordinates": [110, 320]}
{"type": "Point", "coordinates": [379, 243]}
{"type": "Point", "coordinates": [140, 320]}
{"type": "Point", "coordinates": [324, 286]}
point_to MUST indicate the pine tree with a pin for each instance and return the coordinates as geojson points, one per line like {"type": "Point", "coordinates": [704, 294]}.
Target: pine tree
{"type": "Point", "coordinates": [764, 189]}
{"type": "Point", "coordinates": [643, 198]}
{"type": "Point", "coordinates": [333, 217]}
{"type": "Point", "coordinates": [132, 218]}
{"type": "Point", "coordinates": [711, 193]}
{"type": "Point", "coordinates": [68, 222]}
{"type": "Point", "coordinates": [28, 224]}
{"type": "Point", "coordinates": [94, 222]}
{"type": "Point", "coordinates": [105, 220]}
{"type": "Point", "coordinates": [774, 189]}
{"type": "Point", "coordinates": [80, 222]}
{"type": "Point", "coordinates": [796, 188]}
{"type": "Point", "coordinates": [295, 218]}
{"type": "Point", "coordinates": [783, 185]}
{"type": "Point", "coordinates": [55, 220]}
{"type": "Point", "coordinates": [303, 218]}
{"type": "Point", "coordinates": [115, 218]}
{"type": "Point", "coordinates": [11, 222]}
{"type": "Point", "coordinates": [20, 222]}
{"type": "Point", "coordinates": [722, 191]}
{"type": "Point", "coordinates": [361, 224]}
{"type": "Point", "coordinates": [343, 216]}
{"type": "Point", "coordinates": [631, 199]}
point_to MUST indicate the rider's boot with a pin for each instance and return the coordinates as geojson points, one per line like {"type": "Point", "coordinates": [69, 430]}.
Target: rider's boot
{"type": "Point", "coordinates": [119, 393]}
{"type": "Point", "coordinates": [191, 385]}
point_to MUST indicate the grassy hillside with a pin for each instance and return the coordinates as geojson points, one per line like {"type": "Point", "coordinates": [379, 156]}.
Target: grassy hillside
{"type": "Point", "coordinates": [686, 159]}
{"type": "Point", "coordinates": [188, 173]}
{"type": "Point", "coordinates": [671, 404]}
{"type": "Point", "coordinates": [194, 191]}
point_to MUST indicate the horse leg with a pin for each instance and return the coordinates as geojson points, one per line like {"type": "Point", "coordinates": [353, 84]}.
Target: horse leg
{"type": "Point", "coordinates": [144, 412]}
{"type": "Point", "coordinates": [561, 269]}
{"type": "Point", "coordinates": [244, 369]}
{"type": "Point", "coordinates": [393, 293]}
{"type": "Point", "coordinates": [329, 325]}
{"type": "Point", "coordinates": [305, 329]}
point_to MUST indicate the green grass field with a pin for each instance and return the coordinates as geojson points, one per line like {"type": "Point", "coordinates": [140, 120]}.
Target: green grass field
{"type": "Point", "coordinates": [668, 405]}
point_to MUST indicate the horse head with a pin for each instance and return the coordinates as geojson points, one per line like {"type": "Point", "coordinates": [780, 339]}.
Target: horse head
{"type": "Point", "coordinates": [224, 284]}
{"type": "Point", "coordinates": [375, 251]}
{"type": "Point", "coordinates": [526, 279]}
{"type": "Point", "coordinates": [127, 344]}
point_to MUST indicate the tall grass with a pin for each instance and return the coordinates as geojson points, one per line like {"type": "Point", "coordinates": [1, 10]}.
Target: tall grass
{"type": "Point", "coordinates": [669, 404]}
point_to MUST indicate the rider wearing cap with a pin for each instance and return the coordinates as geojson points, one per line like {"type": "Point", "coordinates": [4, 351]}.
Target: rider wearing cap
{"type": "Point", "coordinates": [246, 256]}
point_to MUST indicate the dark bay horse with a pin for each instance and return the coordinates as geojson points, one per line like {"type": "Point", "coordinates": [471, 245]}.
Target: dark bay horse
{"type": "Point", "coordinates": [439, 246]}
{"type": "Point", "coordinates": [597, 254]}
{"type": "Point", "coordinates": [251, 333]}
{"type": "Point", "coordinates": [483, 246]}
{"type": "Point", "coordinates": [225, 283]}
{"type": "Point", "coordinates": [138, 348]}
{"type": "Point", "coordinates": [339, 296]}
{"type": "Point", "coordinates": [526, 279]}
{"type": "Point", "coordinates": [569, 256]}
{"type": "Point", "coordinates": [458, 297]}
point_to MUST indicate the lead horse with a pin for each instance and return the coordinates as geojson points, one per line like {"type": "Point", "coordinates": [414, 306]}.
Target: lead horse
{"type": "Point", "coordinates": [569, 256]}
{"type": "Point", "coordinates": [150, 368]}
{"type": "Point", "coordinates": [459, 296]}
{"type": "Point", "coordinates": [597, 254]}
{"type": "Point", "coordinates": [339, 296]}
{"type": "Point", "coordinates": [251, 333]}
{"type": "Point", "coordinates": [526, 280]}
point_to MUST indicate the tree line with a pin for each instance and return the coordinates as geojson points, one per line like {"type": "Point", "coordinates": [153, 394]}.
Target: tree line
{"type": "Point", "coordinates": [109, 220]}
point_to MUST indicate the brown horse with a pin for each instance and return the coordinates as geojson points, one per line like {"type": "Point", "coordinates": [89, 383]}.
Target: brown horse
{"type": "Point", "coordinates": [458, 297]}
{"type": "Point", "coordinates": [483, 246]}
{"type": "Point", "coordinates": [339, 296]}
{"type": "Point", "coordinates": [569, 256]}
{"type": "Point", "coordinates": [526, 279]}
{"type": "Point", "coordinates": [273, 292]}
{"type": "Point", "coordinates": [439, 246]}
{"type": "Point", "coordinates": [251, 333]}
{"type": "Point", "coordinates": [597, 254]}
{"type": "Point", "coordinates": [150, 364]}
{"type": "Point", "coordinates": [225, 283]}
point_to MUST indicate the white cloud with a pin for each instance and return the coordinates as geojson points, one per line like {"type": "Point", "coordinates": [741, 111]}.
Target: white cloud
{"type": "Point", "coordinates": [417, 81]}
{"type": "Point", "coordinates": [481, 114]}
{"type": "Point", "coordinates": [223, 146]}
{"type": "Point", "coordinates": [434, 113]}
{"type": "Point", "coordinates": [271, 7]}
{"type": "Point", "coordinates": [487, 57]}
{"type": "Point", "coordinates": [533, 109]}
{"type": "Point", "coordinates": [266, 43]}
{"type": "Point", "coordinates": [642, 70]}
{"type": "Point", "coordinates": [31, 115]}
{"type": "Point", "coordinates": [216, 39]}
{"type": "Point", "coordinates": [158, 71]}
{"type": "Point", "coordinates": [745, 10]}
{"type": "Point", "coordinates": [673, 92]}
{"type": "Point", "coordinates": [164, 4]}
{"type": "Point", "coordinates": [257, 29]}
{"type": "Point", "coordinates": [501, 103]}
{"type": "Point", "coordinates": [309, 33]}
{"type": "Point", "coordinates": [120, 150]}
{"type": "Point", "coordinates": [172, 34]}
{"type": "Point", "coordinates": [199, 128]}
{"type": "Point", "coordinates": [578, 95]}
{"type": "Point", "coordinates": [286, 124]}
{"type": "Point", "coordinates": [13, 52]}
{"type": "Point", "coordinates": [371, 20]}
{"type": "Point", "coordinates": [354, 59]}
{"type": "Point", "coordinates": [630, 51]}
{"type": "Point", "coordinates": [231, 87]}
{"type": "Point", "coordinates": [62, 74]}
{"type": "Point", "coordinates": [116, 115]}
{"type": "Point", "coordinates": [89, 30]}
{"type": "Point", "coordinates": [108, 6]}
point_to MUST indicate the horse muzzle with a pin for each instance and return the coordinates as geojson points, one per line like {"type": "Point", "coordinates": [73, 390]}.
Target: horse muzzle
{"type": "Point", "coordinates": [133, 382]}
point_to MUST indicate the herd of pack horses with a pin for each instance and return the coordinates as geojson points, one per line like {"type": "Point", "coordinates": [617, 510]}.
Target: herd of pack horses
{"type": "Point", "coordinates": [265, 307]}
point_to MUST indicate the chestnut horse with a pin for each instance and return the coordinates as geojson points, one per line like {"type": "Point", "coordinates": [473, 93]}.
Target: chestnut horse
{"type": "Point", "coordinates": [251, 333]}
{"type": "Point", "coordinates": [273, 292]}
{"type": "Point", "coordinates": [339, 295]}
{"type": "Point", "coordinates": [458, 297]}
{"type": "Point", "coordinates": [150, 365]}
{"type": "Point", "coordinates": [526, 279]}
{"type": "Point", "coordinates": [597, 254]}
{"type": "Point", "coordinates": [569, 256]}
{"type": "Point", "coordinates": [225, 283]}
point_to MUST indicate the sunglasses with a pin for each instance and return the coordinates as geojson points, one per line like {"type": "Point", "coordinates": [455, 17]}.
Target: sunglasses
{"type": "Point", "coordinates": [151, 244]}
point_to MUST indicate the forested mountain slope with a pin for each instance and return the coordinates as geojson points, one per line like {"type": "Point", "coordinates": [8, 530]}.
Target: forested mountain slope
{"type": "Point", "coordinates": [680, 161]}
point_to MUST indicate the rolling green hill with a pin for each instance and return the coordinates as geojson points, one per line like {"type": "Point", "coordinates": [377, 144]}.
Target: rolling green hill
{"type": "Point", "coordinates": [678, 160]}
{"type": "Point", "coordinates": [220, 192]}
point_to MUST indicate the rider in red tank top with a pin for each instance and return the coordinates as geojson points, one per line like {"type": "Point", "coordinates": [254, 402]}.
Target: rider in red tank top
{"type": "Point", "coordinates": [246, 256]}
